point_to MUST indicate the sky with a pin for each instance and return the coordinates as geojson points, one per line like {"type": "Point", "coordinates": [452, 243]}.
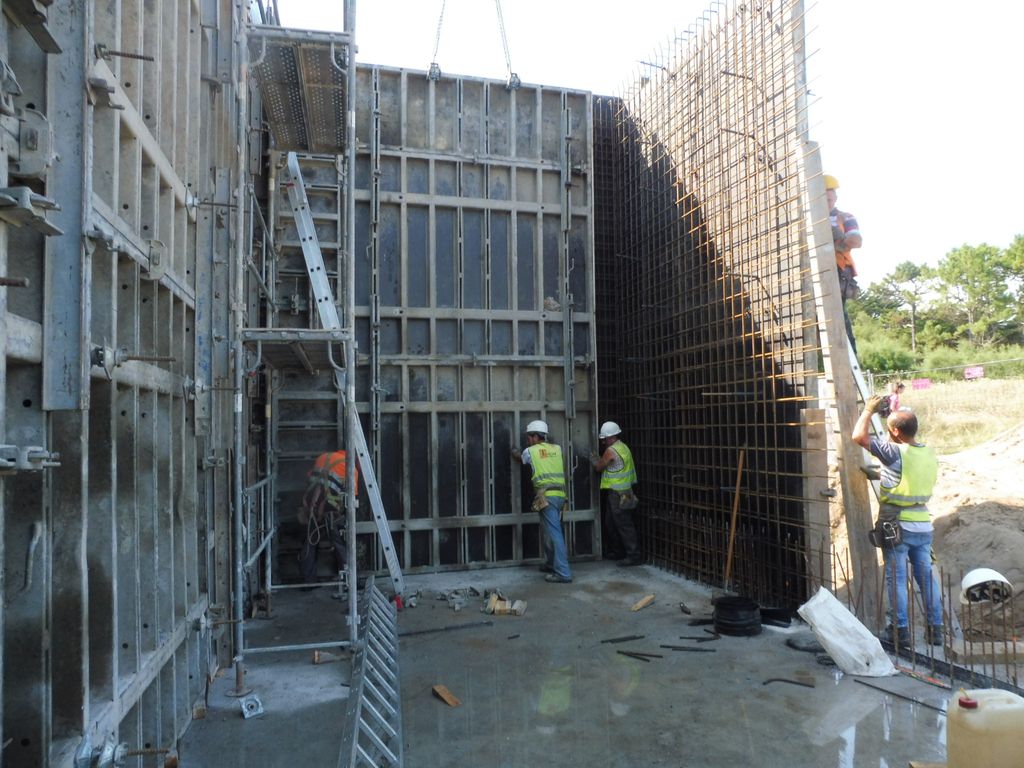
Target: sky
{"type": "Point", "coordinates": [918, 109]}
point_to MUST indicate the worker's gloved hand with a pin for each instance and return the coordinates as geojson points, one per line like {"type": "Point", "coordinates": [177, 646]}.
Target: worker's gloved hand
{"type": "Point", "coordinates": [874, 403]}
{"type": "Point", "coordinates": [594, 458]}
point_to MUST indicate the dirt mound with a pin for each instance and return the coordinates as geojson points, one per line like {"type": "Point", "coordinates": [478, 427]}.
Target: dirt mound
{"type": "Point", "coordinates": [978, 506]}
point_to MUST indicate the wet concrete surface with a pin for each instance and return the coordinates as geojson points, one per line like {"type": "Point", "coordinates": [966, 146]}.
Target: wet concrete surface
{"type": "Point", "coordinates": [556, 696]}
{"type": "Point", "coordinates": [542, 690]}
{"type": "Point", "coordinates": [303, 703]}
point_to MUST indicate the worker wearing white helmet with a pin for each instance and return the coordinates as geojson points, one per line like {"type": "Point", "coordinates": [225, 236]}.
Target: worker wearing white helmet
{"type": "Point", "coordinates": [545, 459]}
{"type": "Point", "coordinates": [618, 476]}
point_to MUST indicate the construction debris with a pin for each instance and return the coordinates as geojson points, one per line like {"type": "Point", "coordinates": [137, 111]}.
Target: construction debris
{"type": "Point", "coordinates": [326, 657]}
{"type": "Point", "coordinates": [467, 625]}
{"type": "Point", "coordinates": [642, 603]}
{"type": "Point", "coordinates": [501, 606]}
{"type": "Point", "coordinates": [787, 680]}
{"type": "Point", "coordinates": [623, 639]}
{"type": "Point", "coordinates": [688, 648]}
{"type": "Point", "coordinates": [641, 656]}
{"type": "Point", "coordinates": [459, 598]}
{"type": "Point", "coordinates": [445, 695]}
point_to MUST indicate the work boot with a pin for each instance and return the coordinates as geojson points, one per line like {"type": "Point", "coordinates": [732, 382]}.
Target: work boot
{"type": "Point", "coordinates": [899, 636]}
{"type": "Point", "coordinates": [933, 635]}
{"type": "Point", "coordinates": [628, 561]}
{"type": "Point", "coordinates": [554, 578]}
{"type": "Point", "coordinates": [545, 568]}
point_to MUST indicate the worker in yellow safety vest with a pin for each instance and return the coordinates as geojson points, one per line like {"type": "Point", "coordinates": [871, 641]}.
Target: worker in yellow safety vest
{"type": "Point", "coordinates": [548, 478]}
{"type": "Point", "coordinates": [909, 470]}
{"type": "Point", "coordinates": [323, 511]}
{"type": "Point", "coordinates": [618, 476]}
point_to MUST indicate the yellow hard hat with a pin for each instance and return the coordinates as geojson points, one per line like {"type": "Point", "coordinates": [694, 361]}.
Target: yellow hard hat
{"type": "Point", "coordinates": [831, 182]}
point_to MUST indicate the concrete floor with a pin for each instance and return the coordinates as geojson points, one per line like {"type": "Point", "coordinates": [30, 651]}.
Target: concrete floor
{"type": "Point", "coordinates": [542, 690]}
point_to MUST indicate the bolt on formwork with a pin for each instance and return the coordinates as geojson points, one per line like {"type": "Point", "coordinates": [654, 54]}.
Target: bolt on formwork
{"type": "Point", "coordinates": [713, 363]}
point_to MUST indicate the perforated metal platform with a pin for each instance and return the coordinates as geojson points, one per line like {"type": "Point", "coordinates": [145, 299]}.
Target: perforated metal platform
{"type": "Point", "coordinates": [302, 75]}
{"type": "Point", "coordinates": [297, 348]}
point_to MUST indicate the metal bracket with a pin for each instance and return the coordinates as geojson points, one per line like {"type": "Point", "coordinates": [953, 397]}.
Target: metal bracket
{"type": "Point", "coordinates": [35, 145]}
{"type": "Point", "coordinates": [20, 206]}
{"type": "Point", "coordinates": [211, 461]}
{"type": "Point", "coordinates": [251, 706]}
{"type": "Point", "coordinates": [31, 14]}
{"type": "Point", "coordinates": [9, 88]}
{"type": "Point", "coordinates": [29, 458]}
{"type": "Point", "coordinates": [100, 92]}
{"type": "Point", "coordinates": [157, 261]}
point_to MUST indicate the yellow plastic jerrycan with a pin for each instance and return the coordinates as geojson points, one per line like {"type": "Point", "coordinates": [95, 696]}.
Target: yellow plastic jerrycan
{"type": "Point", "coordinates": [985, 729]}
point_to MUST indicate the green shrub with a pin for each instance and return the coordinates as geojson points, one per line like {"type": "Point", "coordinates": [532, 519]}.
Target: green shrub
{"type": "Point", "coordinates": [884, 356]}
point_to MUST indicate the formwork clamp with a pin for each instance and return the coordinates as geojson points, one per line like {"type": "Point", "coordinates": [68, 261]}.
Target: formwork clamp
{"type": "Point", "coordinates": [21, 206]}
{"type": "Point", "coordinates": [28, 458]}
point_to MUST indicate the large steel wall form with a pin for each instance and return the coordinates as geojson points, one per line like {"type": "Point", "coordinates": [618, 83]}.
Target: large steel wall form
{"type": "Point", "coordinates": [110, 558]}
{"type": "Point", "coordinates": [715, 347]}
{"type": "Point", "coordinates": [475, 302]}
{"type": "Point", "coordinates": [474, 313]}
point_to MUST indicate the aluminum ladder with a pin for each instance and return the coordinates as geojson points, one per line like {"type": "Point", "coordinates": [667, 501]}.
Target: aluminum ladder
{"type": "Point", "coordinates": [324, 299]}
{"type": "Point", "coordinates": [373, 733]}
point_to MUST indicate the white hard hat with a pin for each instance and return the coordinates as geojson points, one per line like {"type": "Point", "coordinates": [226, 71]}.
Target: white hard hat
{"type": "Point", "coordinates": [541, 427]}
{"type": "Point", "coordinates": [985, 584]}
{"type": "Point", "coordinates": [609, 429]}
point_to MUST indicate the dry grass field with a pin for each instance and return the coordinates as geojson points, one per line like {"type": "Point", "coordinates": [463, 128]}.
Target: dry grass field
{"type": "Point", "coordinates": [958, 415]}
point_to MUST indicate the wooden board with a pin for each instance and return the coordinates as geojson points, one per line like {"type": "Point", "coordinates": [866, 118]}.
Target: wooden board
{"type": "Point", "coordinates": [445, 695]}
{"type": "Point", "coordinates": [643, 602]}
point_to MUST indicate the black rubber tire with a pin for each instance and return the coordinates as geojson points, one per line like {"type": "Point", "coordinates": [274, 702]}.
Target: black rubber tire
{"type": "Point", "coordinates": [738, 616]}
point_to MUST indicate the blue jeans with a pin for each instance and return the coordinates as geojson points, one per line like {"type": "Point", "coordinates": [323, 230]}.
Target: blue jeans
{"type": "Point", "coordinates": [555, 553]}
{"type": "Point", "coordinates": [917, 545]}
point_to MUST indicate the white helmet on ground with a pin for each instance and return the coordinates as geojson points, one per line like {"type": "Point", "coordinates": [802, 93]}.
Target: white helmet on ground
{"type": "Point", "coordinates": [609, 429]}
{"type": "Point", "coordinates": [985, 584]}
{"type": "Point", "coordinates": [538, 426]}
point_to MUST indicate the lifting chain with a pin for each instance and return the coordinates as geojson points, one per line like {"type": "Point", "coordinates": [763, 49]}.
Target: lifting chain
{"type": "Point", "coordinates": [434, 73]}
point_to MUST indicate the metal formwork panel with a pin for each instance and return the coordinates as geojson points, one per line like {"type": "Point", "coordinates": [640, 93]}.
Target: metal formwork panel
{"type": "Point", "coordinates": [474, 301]}
{"type": "Point", "coordinates": [108, 536]}
{"type": "Point", "coordinates": [474, 311]}
{"type": "Point", "coordinates": [704, 278]}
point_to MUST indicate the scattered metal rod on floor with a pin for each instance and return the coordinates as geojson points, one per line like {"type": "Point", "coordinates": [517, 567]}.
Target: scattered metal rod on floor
{"type": "Point", "coordinates": [641, 656]}
{"type": "Point", "coordinates": [512, 637]}
{"type": "Point", "coordinates": [634, 656]}
{"type": "Point", "coordinates": [688, 648]}
{"type": "Point", "coordinates": [787, 680]}
{"type": "Point", "coordinates": [623, 639]}
{"type": "Point", "coordinates": [714, 632]}
{"type": "Point", "coordinates": [901, 696]}
{"type": "Point", "coordinates": [698, 639]}
{"type": "Point", "coordinates": [468, 625]}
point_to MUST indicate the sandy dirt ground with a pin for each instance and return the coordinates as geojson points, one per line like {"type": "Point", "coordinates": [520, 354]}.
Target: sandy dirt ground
{"type": "Point", "coordinates": [978, 507]}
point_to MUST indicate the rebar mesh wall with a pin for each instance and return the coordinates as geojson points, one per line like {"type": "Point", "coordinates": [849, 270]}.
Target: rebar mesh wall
{"type": "Point", "coordinates": [702, 284]}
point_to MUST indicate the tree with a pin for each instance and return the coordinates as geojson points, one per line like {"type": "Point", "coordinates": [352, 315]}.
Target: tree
{"type": "Point", "coordinates": [910, 282]}
{"type": "Point", "coordinates": [974, 286]}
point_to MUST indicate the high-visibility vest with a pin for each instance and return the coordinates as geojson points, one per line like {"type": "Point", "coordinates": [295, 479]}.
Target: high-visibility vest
{"type": "Point", "coordinates": [620, 479]}
{"type": "Point", "coordinates": [548, 472]}
{"type": "Point", "coordinates": [919, 468]}
{"type": "Point", "coordinates": [330, 470]}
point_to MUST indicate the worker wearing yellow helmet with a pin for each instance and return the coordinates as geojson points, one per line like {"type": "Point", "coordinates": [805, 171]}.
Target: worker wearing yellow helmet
{"type": "Point", "coordinates": [845, 237]}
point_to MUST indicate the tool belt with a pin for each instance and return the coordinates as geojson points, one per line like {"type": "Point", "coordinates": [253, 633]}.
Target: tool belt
{"type": "Point", "coordinates": [540, 499]}
{"type": "Point", "coordinates": [628, 500]}
{"type": "Point", "coordinates": [887, 531]}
